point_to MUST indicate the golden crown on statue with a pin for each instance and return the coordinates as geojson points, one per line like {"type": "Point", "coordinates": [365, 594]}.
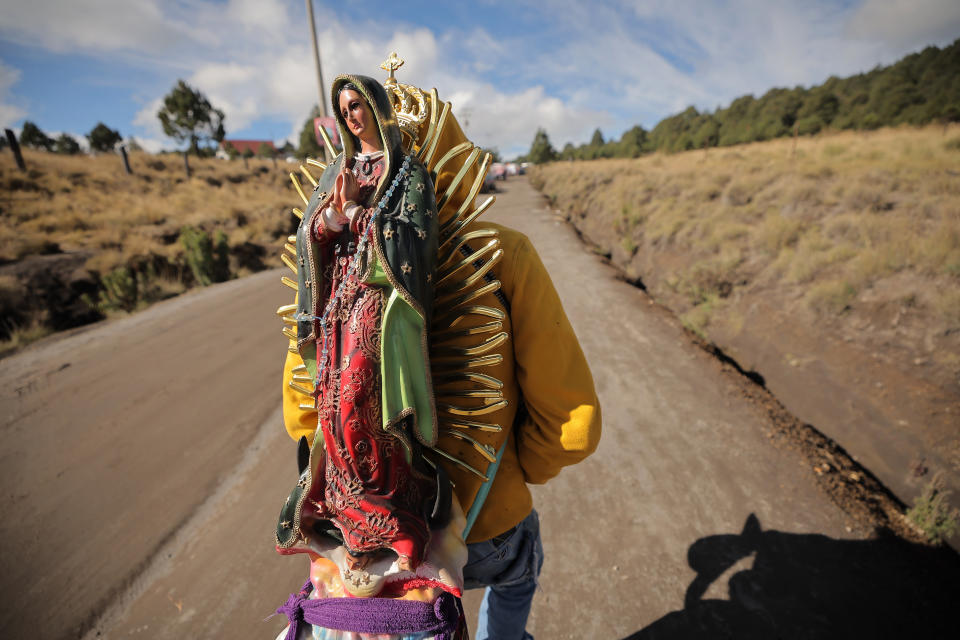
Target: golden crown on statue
{"type": "Point", "coordinates": [409, 103]}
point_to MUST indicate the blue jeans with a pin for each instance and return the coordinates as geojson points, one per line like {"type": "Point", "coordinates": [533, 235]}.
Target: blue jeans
{"type": "Point", "coordinates": [508, 566]}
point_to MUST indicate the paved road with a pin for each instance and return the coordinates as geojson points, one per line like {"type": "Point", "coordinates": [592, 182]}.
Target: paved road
{"type": "Point", "coordinates": [143, 463]}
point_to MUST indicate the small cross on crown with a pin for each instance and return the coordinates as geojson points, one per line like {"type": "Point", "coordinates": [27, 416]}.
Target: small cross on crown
{"type": "Point", "coordinates": [391, 64]}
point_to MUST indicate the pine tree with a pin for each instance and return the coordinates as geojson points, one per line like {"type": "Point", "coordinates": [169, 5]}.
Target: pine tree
{"type": "Point", "coordinates": [541, 150]}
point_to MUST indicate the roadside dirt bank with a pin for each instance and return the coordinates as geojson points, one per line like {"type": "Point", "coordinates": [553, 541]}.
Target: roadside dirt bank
{"type": "Point", "coordinates": [842, 395]}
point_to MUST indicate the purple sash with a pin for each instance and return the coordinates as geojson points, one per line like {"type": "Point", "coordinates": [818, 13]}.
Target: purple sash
{"type": "Point", "coordinates": [373, 615]}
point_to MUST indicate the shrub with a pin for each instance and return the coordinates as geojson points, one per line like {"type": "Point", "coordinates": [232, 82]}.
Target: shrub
{"type": "Point", "coordinates": [32, 137]}
{"type": "Point", "coordinates": [119, 290]}
{"type": "Point", "coordinates": [17, 336]}
{"type": "Point", "coordinates": [870, 122]}
{"type": "Point", "coordinates": [933, 514]}
{"type": "Point", "coordinates": [832, 297]}
{"type": "Point", "coordinates": [809, 125]}
{"type": "Point", "coordinates": [208, 261]}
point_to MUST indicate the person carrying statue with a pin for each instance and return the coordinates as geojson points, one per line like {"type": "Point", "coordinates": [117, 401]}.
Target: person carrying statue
{"type": "Point", "coordinates": [432, 376]}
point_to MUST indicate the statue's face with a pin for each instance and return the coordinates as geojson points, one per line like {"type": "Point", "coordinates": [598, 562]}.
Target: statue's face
{"type": "Point", "coordinates": [358, 117]}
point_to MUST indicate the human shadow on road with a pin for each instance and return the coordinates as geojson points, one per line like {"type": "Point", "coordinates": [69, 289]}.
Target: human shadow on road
{"type": "Point", "coordinates": [811, 586]}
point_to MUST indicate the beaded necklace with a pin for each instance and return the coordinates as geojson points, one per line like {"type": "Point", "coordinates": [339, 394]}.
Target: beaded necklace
{"type": "Point", "coordinates": [352, 268]}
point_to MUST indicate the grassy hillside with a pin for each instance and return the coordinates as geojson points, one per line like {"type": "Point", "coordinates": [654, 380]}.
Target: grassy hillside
{"type": "Point", "coordinates": [119, 241]}
{"type": "Point", "coordinates": [831, 270]}
{"type": "Point", "coordinates": [827, 222]}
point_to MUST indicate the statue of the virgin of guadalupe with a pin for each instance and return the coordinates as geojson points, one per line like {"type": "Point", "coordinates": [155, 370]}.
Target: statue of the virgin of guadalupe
{"type": "Point", "coordinates": [374, 507]}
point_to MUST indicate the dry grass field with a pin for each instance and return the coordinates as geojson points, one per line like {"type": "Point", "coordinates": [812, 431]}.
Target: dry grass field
{"type": "Point", "coordinates": [829, 265]}
{"type": "Point", "coordinates": [834, 222]}
{"type": "Point", "coordinates": [85, 219]}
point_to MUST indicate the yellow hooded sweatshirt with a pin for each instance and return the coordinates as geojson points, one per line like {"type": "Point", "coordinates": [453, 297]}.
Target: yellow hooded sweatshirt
{"type": "Point", "coordinates": [543, 366]}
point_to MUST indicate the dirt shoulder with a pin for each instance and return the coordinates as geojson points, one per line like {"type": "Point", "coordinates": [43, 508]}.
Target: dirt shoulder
{"type": "Point", "coordinates": [114, 434]}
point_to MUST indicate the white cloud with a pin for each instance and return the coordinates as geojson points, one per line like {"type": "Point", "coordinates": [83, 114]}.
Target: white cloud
{"type": "Point", "coordinates": [140, 26]}
{"type": "Point", "coordinates": [508, 121]}
{"type": "Point", "coordinates": [242, 56]}
{"type": "Point", "coordinates": [146, 119]}
{"type": "Point", "coordinates": [152, 145]}
{"type": "Point", "coordinates": [610, 64]}
{"type": "Point", "coordinates": [657, 57]}
{"type": "Point", "coordinates": [905, 25]}
{"type": "Point", "coordinates": [9, 112]}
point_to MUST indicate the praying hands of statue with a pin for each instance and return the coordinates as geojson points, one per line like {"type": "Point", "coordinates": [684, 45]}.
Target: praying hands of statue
{"type": "Point", "coordinates": [346, 192]}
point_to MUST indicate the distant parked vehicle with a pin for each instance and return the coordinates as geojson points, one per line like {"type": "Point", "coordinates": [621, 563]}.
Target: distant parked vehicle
{"type": "Point", "coordinates": [489, 183]}
{"type": "Point", "coordinates": [513, 169]}
{"type": "Point", "coordinates": [498, 171]}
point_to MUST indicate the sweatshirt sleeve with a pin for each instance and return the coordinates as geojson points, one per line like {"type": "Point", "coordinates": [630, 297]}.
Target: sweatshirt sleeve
{"type": "Point", "coordinates": [562, 426]}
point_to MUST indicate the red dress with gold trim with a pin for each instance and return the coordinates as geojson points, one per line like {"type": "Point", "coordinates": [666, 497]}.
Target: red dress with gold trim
{"type": "Point", "coordinates": [366, 486]}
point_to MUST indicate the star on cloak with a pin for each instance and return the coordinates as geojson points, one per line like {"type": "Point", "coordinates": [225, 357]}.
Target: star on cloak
{"type": "Point", "coordinates": [421, 234]}
{"type": "Point", "coordinates": [411, 207]}
{"type": "Point", "coordinates": [406, 268]}
{"type": "Point", "coordinates": [388, 234]}
{"type": "Point", "coordinates": [420, 187]}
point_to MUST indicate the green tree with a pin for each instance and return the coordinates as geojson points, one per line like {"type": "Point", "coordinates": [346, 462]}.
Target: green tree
{"type": "Point", "coordinates": [707, 135]}
{"type": "Point", "coordinates": [32, 137]}
{"type": "Point", "coordinates": [103, 138]}
{"type": "Point", "coordinates": [188, 116]}
{"type": "Point", "coordinates": [541, 150]}
{"type": "Point", "coordinates": [309, 147]}
{"type": "Point", "coordinates": [494, 154]}
{"type": "Point", "coordinates": [809, 125]}
{"type": "Point", "coordinates": [822, 104]}
{"type": "Point", "coordinates": [595, 148]}
{"type": "Point", "coordinates": [66, 145]}
{"type": "Point", "coordinates": [265, 151]}
{"type": "Point", "coordinates": [633, 142]}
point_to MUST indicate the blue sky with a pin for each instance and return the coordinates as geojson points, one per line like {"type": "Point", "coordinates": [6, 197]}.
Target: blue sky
{"type": "Point", "coordinates": [508, 66]}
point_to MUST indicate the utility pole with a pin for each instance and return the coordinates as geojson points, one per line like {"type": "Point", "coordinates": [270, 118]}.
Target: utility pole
{"type": "Point", "coordinates": [316, 57]}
